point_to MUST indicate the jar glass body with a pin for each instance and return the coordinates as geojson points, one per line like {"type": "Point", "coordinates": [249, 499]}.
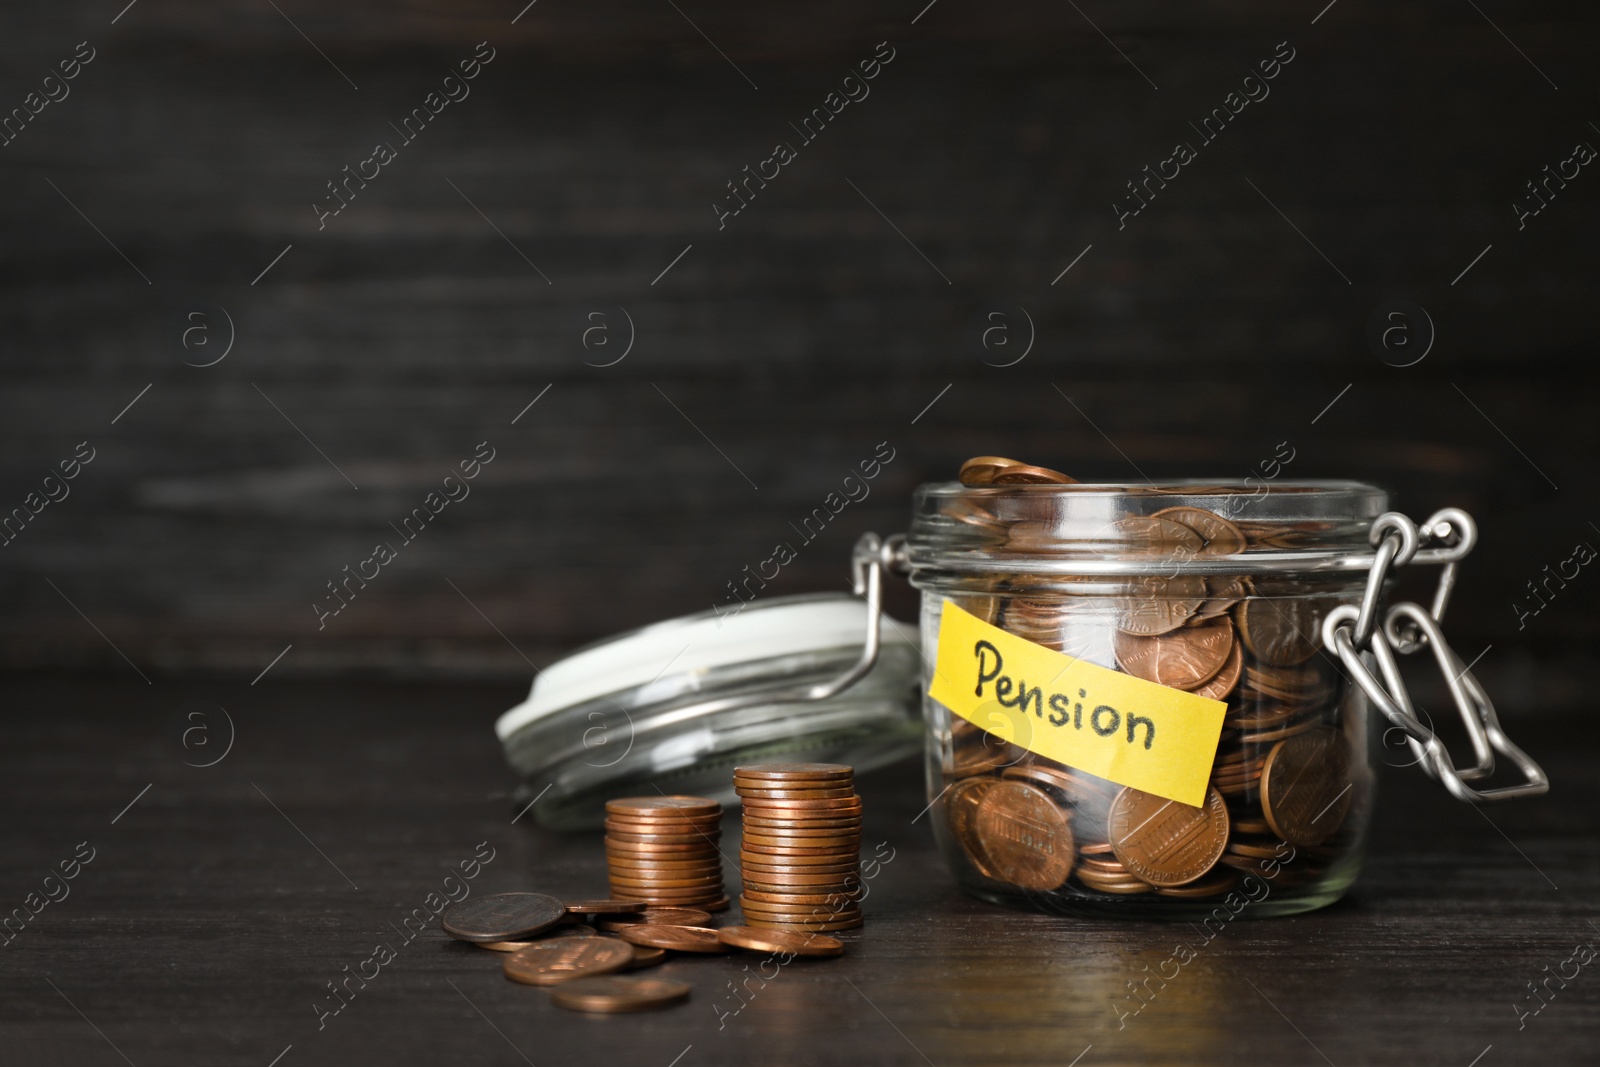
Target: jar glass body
{"type": "Point", "coordinates": [1099, 573]}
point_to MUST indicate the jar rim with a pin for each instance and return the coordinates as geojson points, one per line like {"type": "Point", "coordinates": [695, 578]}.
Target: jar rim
{"type": "Point", "coordinates": [1078, 529]}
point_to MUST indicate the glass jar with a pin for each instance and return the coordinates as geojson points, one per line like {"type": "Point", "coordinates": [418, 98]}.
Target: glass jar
{"type": "Point", "coordinates": [675, 706]}
{"type": "Point", "coordinates": [1213, 598]}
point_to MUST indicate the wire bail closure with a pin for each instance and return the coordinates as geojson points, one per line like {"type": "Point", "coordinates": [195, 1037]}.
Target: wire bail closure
{"type": "Point", "coordinates": [1447, 537]}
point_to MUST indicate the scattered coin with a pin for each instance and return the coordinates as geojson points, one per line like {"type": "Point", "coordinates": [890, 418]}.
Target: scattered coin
{"type": "Point", "coordinates": [677, 938]}
{"type": "Point", "coordinates": [502, 916]}
{"type": "Point", "coordinates": [645, 956]}
{"type": "Point", "coordinates": [551, 962]}
{"type": "Point", "coordinates": [605, 907]}
{"type": "Point", "coordinates": [612, 995]}
{"type": "Point", "coordinates": [801, 944]}
{"type": "Point", "coordinates": [657, 917]}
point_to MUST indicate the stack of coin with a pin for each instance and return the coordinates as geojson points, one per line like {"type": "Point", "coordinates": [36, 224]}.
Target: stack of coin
{"type": "Point", "coordinates": [1283, 784]}
{"type": "Point", "coordinates": [663, 851]}
{"type": "Point", "coordinates": [801, 854]}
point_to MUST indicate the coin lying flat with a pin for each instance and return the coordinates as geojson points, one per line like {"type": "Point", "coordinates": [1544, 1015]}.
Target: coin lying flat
{"type": "Point", "coordinates": [656, 805]}
{"type": "Point", "coordinates": [645, 956]}
{"type": "Point", "coordinates": [657, 917]}
{"type": "Point", "coordinates": [796, 772]}
{"type": "Point", "coordinates": [1306, 786]}
{"type": "Point", "coordinates": [613, 995]}
{"type": "Point", "coordinates": [1025, 837]}
{"type": "Point", "coordinates": [801, 944]}
{"type": "Point", "coordinates": [677, 938]}
{"type": "Point", "coordinates": [604, 907]}
{"type": "Point", "coordinates": [502, 916]}
{"type": "Point", "coordinates": [551, 962]}
{"type": "Point", "coordinates": [1166, 843]}
{"type": "Point", "coordinates": [559, 931]}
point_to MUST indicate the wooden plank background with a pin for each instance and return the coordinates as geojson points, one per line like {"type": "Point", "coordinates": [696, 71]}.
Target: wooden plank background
{"type": "Point", "coordinates": [455, 289]}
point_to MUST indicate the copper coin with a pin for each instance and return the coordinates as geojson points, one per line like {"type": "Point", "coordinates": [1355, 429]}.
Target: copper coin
{"type": "Point", "coordinates": [611, 995]}
{"type": "Point", "coordinates": [647, 848]}
{"type": "Point", "coordinates": [810, 915]}
{"type": "Point", "coordinates": [677, 938]}
{"type": "Point", "coordinates": [802, 846]}
{"type": "Point", "coordinates": [695, 839]}
{"type": "Point", "coordinates": [1022, 474]}
{"type": "Point", "coordinates": [823, 927]}
{"type": "Point", "coordinates": [1220, 880]}
{"type": "Point", "coordinates": [750, 793]}
{"type": "Point", "coordinates": [802, 883]}
{"type": "Point", "coordinates": [695, 897]}
{"type": "Point", "coordinates": [1164, 842]}
{"type": "Point", "coordinates": [832, 899]}
{"type": "Point", "coordinates": [1250, 824]}
{"type": "Point", "coordinates": [654, 884]}
{"type": "Point", "coordinates": [1183, 659]}
{"type": "Point", "coordinates": [551, 962]}
{"type": "Point", "coordinates": [961, 811]}
{"type": "Point", "coordinates": [791, 862]}
{"type": "Point", "coordinates": [645, 956]}
{"type": "Point", "coordinates": [821, 808]}
{"type": "Point", "coordinates": [980, 470]}
{"type": "Point", "coordinates": [790, 905]}
{"type": "Point", "coordinates": [1257, 850]}
{"type": "Point", "coordinates": [697, 864]}
{"type": "Point", "coordinates": [668, 819]}
{"type": "Point", "coordinates": [1099, 848]}
{"type": "Point", "coordinates": [780, 941]}
{"type": "Point", "coordinates": [1225, 680]}
{"type": "Point", "coordinates": [1280, 631]}
{"type": "Point", "coordinates": [753, 820]}
{"type": "Point", "coordinates": [657, 917]}
{"type": "Point", "coordinates": [562, 930]}
{"type": "Point", "coordinates": [502, 916]}
{"type": "Point", "coordinates": [1156, 605]}
{"type": "Point", "coordinates": [689, 806]}
{"type": "Point", "coordinates": [1306, 787]}
{"type": "Point", "coordinates": [603, 907]}
{"type": "Point", "coordinates": [1222, 538]}
{"type": "Point", "coordinates": [796, 772]}
{"type": "Point", "coordinates": [802, 833]}
{"type": "Point", "coordinates": [1287, 730]}
{"type": "Point", "coordinates": [1025, 836]}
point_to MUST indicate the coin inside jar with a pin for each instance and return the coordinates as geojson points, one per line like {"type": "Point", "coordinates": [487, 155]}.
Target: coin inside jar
{"type": "Point", "coordinates": [1025, 837]}
{"type": "Point", "coordinates": [1164, 842]}
{"type": "Point", "coordinates": [1185, 658]}
{"type": "Point", "coordinates": [1306, 786]}
{"type": "Point", "coordinates": [550, 962]}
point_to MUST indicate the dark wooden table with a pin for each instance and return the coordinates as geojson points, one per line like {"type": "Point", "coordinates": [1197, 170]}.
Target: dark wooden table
{"type": "Point", "coordinates": [222, 900]}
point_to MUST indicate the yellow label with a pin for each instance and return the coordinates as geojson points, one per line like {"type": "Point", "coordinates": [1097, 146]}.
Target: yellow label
{"type": "Point", "coordinates": [1101, 721]}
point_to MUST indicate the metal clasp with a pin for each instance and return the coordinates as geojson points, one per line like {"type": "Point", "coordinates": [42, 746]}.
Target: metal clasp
{"type": "Point", "coordinates": [1446, 538]}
